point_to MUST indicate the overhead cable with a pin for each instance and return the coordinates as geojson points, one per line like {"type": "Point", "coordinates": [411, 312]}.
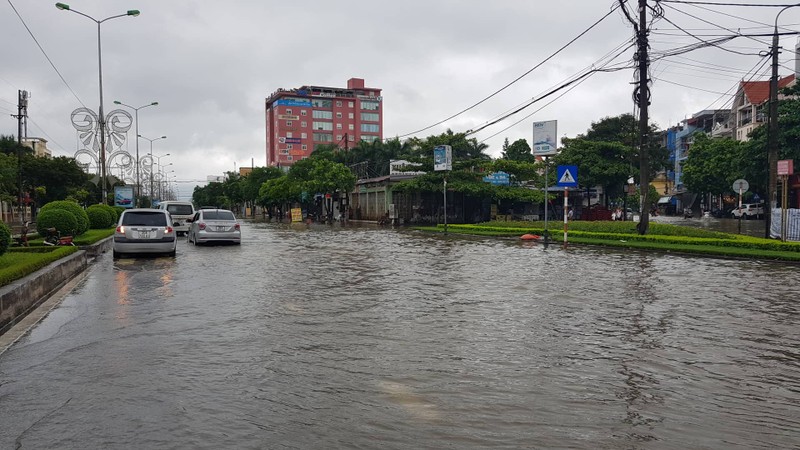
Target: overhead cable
{"type": "Point", "coordinates": [517, 79]}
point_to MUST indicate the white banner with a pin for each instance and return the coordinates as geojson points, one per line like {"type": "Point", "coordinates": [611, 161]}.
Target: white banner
{"type": "Point", "coordinates": [544, 138]}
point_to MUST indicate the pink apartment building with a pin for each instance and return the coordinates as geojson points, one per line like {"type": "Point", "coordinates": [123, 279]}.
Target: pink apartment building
{"type": "Point", "coordinates": [299, 120]}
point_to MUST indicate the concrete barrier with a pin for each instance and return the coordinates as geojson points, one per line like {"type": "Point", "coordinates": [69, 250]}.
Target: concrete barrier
{"type": "Point", "coordinates": [22, 296]}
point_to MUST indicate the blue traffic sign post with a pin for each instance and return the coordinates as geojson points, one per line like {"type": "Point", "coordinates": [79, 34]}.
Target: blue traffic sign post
{"type": "Point", "coordinates": [567, 177]}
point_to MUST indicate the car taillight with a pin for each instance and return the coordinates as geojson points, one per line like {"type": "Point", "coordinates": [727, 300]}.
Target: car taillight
{"type": "Point", "coordinates": [121, 229]}
{"type": "Point", "coordinates": [168, 230]}
{"type": "Point", "coordinates": [236, 227]}
{"type": "Point", "coordinates": [201, 225]}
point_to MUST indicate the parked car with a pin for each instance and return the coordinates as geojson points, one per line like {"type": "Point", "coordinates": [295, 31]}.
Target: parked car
{"type": "Point", "coordinates": [749, 211]}
{"type": "Point", "coordinates": [144, 231]}
{"type": "Point", "coordinates": [214, 225]}
{"type": "Point", "coordinates": [181, 212]}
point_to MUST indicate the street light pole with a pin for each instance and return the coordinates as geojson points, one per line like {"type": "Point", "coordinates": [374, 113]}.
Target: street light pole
{"type": "Point", "coordinates": [101, 121]}
{"type": "Point", "coordinates": [772, 134]}
{"type": "Point", "coordinates": [151, 162]}
{"type": "Point", "coordinates": [138, 178]}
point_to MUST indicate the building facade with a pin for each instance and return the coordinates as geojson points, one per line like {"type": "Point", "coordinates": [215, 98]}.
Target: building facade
{"type": "Point", "coordinates": [300, 120]}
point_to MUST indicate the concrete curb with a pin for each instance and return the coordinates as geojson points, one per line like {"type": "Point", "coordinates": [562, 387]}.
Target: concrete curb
{"type": "Point", "coordinates": [22, 296]}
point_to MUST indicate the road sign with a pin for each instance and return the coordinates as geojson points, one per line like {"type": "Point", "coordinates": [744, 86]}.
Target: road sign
{"type": "Point", "coordinates": [740, 186]}
{"type": "Point", "coordinates": [785, 167]}
{"type": "Point", "coordinates": [567, 176]}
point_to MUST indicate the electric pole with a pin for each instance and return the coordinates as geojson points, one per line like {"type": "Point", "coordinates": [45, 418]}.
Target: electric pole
{"type": "Point", "coordinates": [22, 115]}
{"type": "Point", "coordinates": [642, 98]}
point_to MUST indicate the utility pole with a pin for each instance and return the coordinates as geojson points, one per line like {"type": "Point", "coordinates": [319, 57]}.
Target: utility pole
{"type": "Point", "coordinates": [22, 115]}
{"type": "Point", "coordinates": [642, 98]}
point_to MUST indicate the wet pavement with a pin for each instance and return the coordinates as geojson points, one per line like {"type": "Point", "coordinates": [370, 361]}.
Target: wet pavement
{"type": "Point", "coordinates": [329, 337]}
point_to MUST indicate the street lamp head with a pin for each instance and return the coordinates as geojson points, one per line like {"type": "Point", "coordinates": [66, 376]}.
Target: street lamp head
{"type": "Point", "coordinates": [62, 6]}
{"type": "Point", "coordinates": [117, 102]}
{"type": "Point", "coordinates": [153, 104]}
{"type": "Point", "coordinates": [133, 12]}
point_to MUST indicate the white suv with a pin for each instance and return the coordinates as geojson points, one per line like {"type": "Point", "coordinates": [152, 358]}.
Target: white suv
{"type": "Point", "coordinates": [749, 211]}
{"type": "Point", "coordinates": [180, 212]}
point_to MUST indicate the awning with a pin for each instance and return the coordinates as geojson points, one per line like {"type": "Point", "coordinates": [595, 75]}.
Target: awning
{"type": "Point", "coordinates": [664, 200]}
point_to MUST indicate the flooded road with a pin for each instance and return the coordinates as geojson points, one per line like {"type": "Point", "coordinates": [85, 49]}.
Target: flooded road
{"type": "Point", "coordinates": [373, 338]}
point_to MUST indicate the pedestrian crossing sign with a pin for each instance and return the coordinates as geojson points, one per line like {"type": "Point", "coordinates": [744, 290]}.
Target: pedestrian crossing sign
{"type": "Point", "coordinates": [567, 176]}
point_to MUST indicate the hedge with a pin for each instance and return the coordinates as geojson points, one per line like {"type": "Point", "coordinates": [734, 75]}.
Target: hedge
{"type": "Point", "coordinates": [5, 238]}
{"type": "Point", "coordinates": [60, 219]}
{"type": "Point", "coordinates": [75, 209]}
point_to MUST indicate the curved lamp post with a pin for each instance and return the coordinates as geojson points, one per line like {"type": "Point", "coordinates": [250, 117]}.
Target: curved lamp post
{"type": "Point", "coordinates": [101, 119]}
{"type": "Point", "coordinates": [138, 179]}
{"type": "Point", "coordinates": [151, 161]}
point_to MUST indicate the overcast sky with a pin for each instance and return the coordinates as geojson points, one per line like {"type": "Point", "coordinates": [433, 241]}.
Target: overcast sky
{"type": "Point", "coordinates": [211, 64]}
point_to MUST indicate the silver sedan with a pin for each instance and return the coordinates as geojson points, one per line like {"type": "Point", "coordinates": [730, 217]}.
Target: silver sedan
{"type": "Point", "coordinates": [144, 230]}
{"type": "Point", "coordinates": [214, 225]}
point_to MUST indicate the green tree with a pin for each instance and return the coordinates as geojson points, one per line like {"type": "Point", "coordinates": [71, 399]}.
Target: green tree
{"type": "Point", "coordinates": [712, 165]}
{"type": "Point", "coordinates": [251, 183]}
{"type": "Point", "coordinates": [518, 151]}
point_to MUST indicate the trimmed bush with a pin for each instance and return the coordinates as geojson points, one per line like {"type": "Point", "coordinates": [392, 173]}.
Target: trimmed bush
{"type": "Point", "coordinates": [60, 219]}
{"type": "Point", "coordinates": [99, 217]}
{"type": "Point", "coordinates": [117, 210]}
{"type": "Point", "coordinates": [80, 214]}
{"type": "Point", "coordinates": [5, 238]}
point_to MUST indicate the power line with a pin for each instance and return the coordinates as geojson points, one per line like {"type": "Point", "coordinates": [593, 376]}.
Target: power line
{"type": "Point", "coordinates": [45, 53]}
{"type": "Point", "coordinates": [688, 2]}
{"type": "Point", "coordinates": [518, 78]}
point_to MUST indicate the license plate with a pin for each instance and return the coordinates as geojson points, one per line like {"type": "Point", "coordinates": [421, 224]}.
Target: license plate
{"type": "Point", "coordinates": [220, 228]}
{"type": "Point", "coordinates": [144, 235]}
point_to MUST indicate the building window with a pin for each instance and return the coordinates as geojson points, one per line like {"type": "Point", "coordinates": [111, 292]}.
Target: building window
{"type": "Point", "coordinates": [289, 158]}
{"type": "Point", "coordinates": [303, 124]}
{"type": "Point", "coordinates": [338, 115]}
{"type": "Point", "coordinates": [303, 112]}
{"type": "Point", "coordinates": [369, 128]}
{"type": "Point", "coordinates": [304, 147]}
{"type": "Point", "coordinates": [350, 116]}
{"type": "Point", "coordinates": [323, 137]}
{"type": "Point", "coordinates": [370, 139]}
{"type": "Point", "coordinates": [350, 104]}
{"type": "Point", "coordinates": [325, 126]}
{"type": "Point", "coordinates": [338, 103]}
{"type": "Point", "coordinates": [369, 106]}
{"type": "Point", "coordinates": [320, 103]}
{"type": "Point", "coordinates": [338, 137]}
{"type": "Point", "coordinates": [352, 138]}
{"type": "Point", "coordinates": [289, 146]}
{"type": "Point", "coordinates": [288, 123]}
{"type": "Point", "coordinates": [284, 151]}
{"type": "Point", "coordinates": [288, 111]}
{"type": "Point", "coordinates": [369, 117]}
{"type": "Point", "coordinates": [323, 115]}
{"type": "Point", "coordinates": [338, 126]}
{"type": "Point", "coordinates": [351, 126]}
{"type": "Point", "coordinates": [288, 134]}
{"type": "Point", "coordinates": [303, 135]}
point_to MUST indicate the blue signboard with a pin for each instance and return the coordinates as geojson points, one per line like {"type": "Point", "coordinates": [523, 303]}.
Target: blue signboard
{"type": "Point", "coordinates": [497, 178]}
{"type": "Point", "coordinates": [294, 102]}
{"type": "Point", "coordinates": [567, 176]}
{"type": "Point", "coordinates": [292, 140]}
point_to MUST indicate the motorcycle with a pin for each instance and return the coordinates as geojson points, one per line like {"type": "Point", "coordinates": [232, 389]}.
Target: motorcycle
{"type": "Point", "coordinates": [54, 238]}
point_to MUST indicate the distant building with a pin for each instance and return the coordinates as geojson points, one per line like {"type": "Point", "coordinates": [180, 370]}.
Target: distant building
{"type": "Point", "coordinates": [750, 106]}
{"type": "Point", "coordinates": [38, 145]}
{"type": "Point", "coordinates": [300, 120]}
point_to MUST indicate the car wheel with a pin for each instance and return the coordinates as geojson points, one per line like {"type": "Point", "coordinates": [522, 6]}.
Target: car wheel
{"type": "Point", "coordinates": [116, 254]}
{"type": "Point", "coordinates": [171, 254]}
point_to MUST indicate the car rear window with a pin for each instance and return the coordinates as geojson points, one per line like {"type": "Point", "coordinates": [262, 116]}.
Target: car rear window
{"type": "Point", "coordinates": [218, 215]}
{"type": "Point", "coordinates": [154, 219]}
{"type": "Point", "coordinates": [180, 210]}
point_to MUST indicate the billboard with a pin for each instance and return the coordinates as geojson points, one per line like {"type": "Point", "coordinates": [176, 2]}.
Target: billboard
{"type": "Point", "coordinates": [123, 196]}
{"type": "Point", "coordinates": [544, 138]}
{"type": "Point", "coordinates": [442, 157]}
{"type": "Point", "coordinates": [294, 102]}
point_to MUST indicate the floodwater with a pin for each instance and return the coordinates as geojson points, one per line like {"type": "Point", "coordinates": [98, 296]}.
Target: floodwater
{"type": "Point", "coordinates": [330, 337]}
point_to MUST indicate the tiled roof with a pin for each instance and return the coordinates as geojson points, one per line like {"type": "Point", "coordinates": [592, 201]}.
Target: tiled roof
{"type": "Point", "coordinates": [757, 92]}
